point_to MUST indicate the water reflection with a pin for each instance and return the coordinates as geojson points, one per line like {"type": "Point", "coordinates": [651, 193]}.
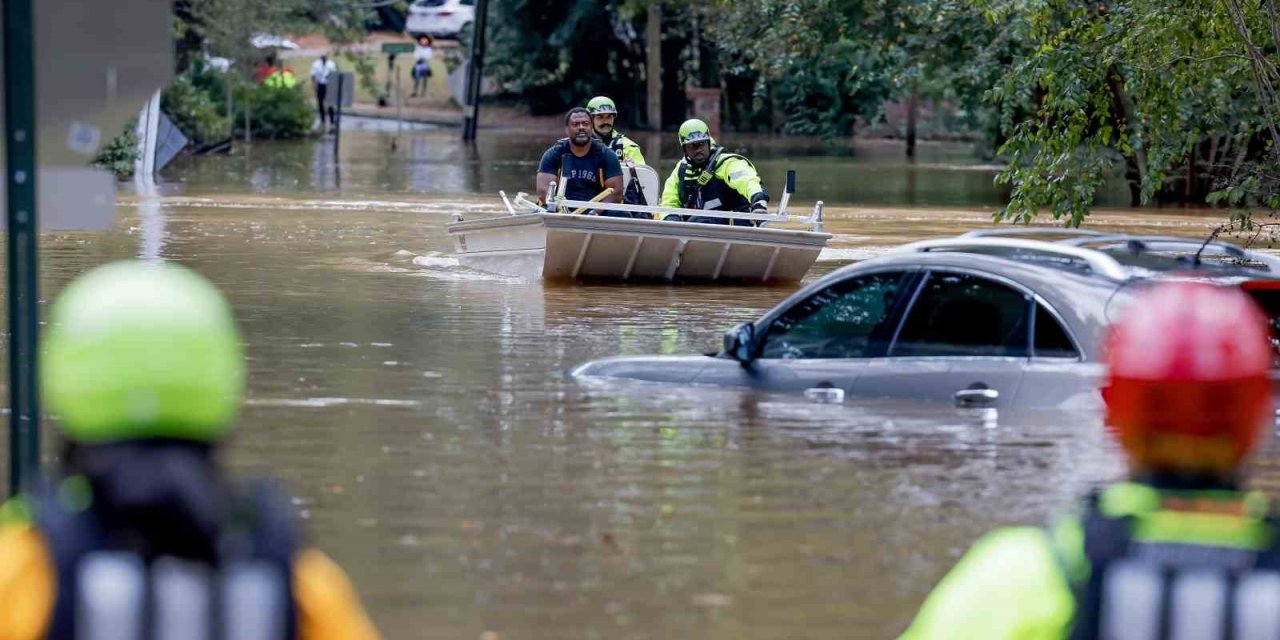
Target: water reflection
{"type": "Point", "coordinates": [436, 161]}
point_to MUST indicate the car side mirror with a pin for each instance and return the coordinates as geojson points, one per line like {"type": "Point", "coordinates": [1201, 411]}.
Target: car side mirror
{"type": "Point", "coordinates": [740, 343]}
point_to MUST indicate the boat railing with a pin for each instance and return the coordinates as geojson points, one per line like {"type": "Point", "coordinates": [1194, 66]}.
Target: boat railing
{"type": "Point", "coordinates": [523, 206]}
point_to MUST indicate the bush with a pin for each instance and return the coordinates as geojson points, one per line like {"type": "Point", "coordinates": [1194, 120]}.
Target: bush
{"type": "Point", "coordinates": [120, 154]}
{"type": "Point", "coordinates": [194, 111]}
{"type": "Point", "coordinates": [275, 113]}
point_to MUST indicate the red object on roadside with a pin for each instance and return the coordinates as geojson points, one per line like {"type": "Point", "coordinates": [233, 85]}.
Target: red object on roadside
{"type": "Point", "coordinates": [1189, 386]}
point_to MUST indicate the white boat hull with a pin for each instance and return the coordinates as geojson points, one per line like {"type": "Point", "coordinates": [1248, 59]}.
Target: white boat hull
{"type": "Point", "coordinates": [567, 247]}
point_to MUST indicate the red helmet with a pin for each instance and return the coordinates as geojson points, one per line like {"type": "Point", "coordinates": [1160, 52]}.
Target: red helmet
{"type": "Point", "coordinates": [1189, 387]}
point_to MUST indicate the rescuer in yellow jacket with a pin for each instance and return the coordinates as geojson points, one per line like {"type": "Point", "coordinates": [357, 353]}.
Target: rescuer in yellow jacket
{"type": "Point", "coordinates": [712, 179]}
{"type": "Point", "coordinates": [604, 113]}
{"type": "Point", "coordinates": [141, 535]}
{"type": "Point", "coordinates": [1179, 550]}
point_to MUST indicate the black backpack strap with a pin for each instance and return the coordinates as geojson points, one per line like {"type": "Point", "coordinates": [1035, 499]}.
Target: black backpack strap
{"type": "Point", "coordinates": [69, 536]}
{"type": "Point", "coordinates": [263, 528]}
{"type": "Point", "coordinates": [1106, 539]}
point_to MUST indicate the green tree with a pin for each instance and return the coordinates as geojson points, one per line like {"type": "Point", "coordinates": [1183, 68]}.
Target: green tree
{"type": "Point", "coordinates": [1180, 94]}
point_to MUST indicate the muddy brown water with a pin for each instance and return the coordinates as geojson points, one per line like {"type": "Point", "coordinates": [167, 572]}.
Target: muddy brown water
{"type": "Point", "coordinates": [423, 417]}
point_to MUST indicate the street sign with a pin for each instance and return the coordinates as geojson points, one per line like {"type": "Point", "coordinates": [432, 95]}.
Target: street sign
{"type": "Point", "coordinates": [72, 79]}
{"type": "Point", "coordinates": [346, 92]}
{"type": "Point", "coordinates": [397, 47]}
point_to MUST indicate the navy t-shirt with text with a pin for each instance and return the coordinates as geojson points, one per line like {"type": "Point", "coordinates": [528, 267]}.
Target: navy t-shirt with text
{"type": "Point", "coordinates": [583, 176]}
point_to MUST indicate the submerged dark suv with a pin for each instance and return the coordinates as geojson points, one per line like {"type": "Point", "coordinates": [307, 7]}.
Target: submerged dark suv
{"type": "Point", "coordinates": [994, 318]}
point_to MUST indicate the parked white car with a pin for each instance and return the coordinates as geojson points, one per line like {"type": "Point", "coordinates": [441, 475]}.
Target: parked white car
{"type": "Point", "coordinates": [440, 18]}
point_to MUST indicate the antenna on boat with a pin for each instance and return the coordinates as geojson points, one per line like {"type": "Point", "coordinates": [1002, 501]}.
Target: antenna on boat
{"type": "Point", "coordinates": [787, 191]}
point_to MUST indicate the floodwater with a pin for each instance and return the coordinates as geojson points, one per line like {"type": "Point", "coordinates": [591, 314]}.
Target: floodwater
{"type": "Point", "coordinates": [422, 414]}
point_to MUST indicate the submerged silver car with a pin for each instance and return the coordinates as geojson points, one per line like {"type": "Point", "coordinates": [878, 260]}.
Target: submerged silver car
{"type": "Point", "coordinates": [997, 318]}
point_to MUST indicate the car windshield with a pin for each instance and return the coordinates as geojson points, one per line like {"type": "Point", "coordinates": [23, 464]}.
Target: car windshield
{"type": "Point", "coordinates": [429, 3]}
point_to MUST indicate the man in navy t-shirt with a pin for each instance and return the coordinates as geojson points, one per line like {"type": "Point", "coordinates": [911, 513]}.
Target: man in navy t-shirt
{"type": "Point", "coordinates": [584, 165]}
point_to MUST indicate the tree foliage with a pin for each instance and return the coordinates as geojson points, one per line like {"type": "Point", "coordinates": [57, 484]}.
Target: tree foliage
{"type": "Point", "coordinates": [1171, 91]}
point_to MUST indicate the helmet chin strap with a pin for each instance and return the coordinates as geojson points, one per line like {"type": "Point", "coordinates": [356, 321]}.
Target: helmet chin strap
{"type": "Point", "coordinates": [715, 151]}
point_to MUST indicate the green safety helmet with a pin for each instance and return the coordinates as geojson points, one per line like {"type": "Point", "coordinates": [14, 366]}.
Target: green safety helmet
{"type": "Point", "coordinates": [601, 104]}
{"type": "Point", "coordinates": [694, 130]}
{"type": "Point", "coordinates": [139, 350]}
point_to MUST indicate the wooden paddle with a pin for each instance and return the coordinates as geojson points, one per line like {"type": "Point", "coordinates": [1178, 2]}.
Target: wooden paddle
{"type": "Point", "coordinates": [599, 196]}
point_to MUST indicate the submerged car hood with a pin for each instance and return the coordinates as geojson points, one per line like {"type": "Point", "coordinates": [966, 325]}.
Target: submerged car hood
{"type": "Point", "coordinates": [680, 369]}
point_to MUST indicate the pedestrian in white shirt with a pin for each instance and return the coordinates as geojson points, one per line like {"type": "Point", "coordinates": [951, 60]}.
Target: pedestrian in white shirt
{"type": "Point", "coordinates": [422, 54]}
{"type": "Point", "coordinates": [321, 71]}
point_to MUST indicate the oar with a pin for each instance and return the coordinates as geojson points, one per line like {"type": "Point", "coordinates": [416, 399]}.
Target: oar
{"type": "Point", "coordinates": [599, 196]}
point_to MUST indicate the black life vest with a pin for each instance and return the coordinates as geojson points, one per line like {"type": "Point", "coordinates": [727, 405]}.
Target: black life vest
{"type": "Point", "coordinates": [1141, 589]}
{"type": "Point", "coordinates": [634, 194]}
{"type": "Point", "coordinates": [102, 585]}
{"type": "Point", "coordinates": [703, 189]}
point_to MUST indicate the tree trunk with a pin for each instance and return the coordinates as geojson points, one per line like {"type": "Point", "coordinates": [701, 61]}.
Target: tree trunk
{"type": "Point", "coordinates": [913, 108]}
{"type": "Point", "coordinates": [653, 65]}
{"type": "Point", "coordinates": [1124, 115]}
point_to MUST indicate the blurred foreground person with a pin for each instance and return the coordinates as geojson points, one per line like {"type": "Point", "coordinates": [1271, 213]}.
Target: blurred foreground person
{"type": "Point", "coordinates": [712, 179]}
{"type": "Point", "coordinates": [142, 536]}
{"type": "Point", "coordinates": [1179, 550]}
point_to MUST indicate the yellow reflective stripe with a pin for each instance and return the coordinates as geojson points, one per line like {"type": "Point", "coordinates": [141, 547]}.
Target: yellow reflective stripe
{"type": "Point", "coordinates": [28, 584]}
{"type": "Point", "coordinates": [15, 512]}
{"type": "Point", "coordinates": [1128, 498]}
{"type": "Point", "coordinates": [1068, 542]}
{"type": "Point", "coordinates": [327, 605]}
{"type": "Point", "coordinates": [671, 188]}
{"type": "Point", "coordinates": [1202, 529]}
{"type": "Point", "coordinates": [1153, 523]}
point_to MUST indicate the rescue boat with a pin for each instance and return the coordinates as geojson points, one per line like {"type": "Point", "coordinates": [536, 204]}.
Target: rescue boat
{"type": "Point", "coordinates": [559, 243]}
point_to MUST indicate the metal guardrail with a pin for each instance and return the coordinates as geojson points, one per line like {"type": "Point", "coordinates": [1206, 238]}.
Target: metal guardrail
{"type": "Point", "coordinates": [1097, 261]}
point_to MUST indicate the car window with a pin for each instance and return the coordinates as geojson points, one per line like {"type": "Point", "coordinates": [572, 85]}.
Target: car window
{"type": "Point", "coordinates": [467, 3]}
{"type": "Point", "coordinates": [1051, 340]}
{"type": "Point", "coordinates": [959, 314]}
{"type": "Point", "coordinates": [429, 3]}
{"type": "Point", "coordinates": [849, 319]}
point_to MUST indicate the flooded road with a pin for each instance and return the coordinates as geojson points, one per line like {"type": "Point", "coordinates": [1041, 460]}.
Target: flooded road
{"type": "Point", "coordinates": [422, 415]}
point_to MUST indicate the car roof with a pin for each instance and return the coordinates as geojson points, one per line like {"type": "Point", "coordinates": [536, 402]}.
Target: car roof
{"type": "Point", "coordinates": [1117, 256]}
{"type": "Point", "coordinates": [1080, 275]}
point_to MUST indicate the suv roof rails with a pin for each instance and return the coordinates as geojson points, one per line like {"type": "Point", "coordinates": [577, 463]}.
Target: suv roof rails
{"type": "Point", "coordinates": [1139, 244]}
{"type": "Point", "coordinates": [1031, 231]}
{"type": "Point", "coordinates": [1098, 262]}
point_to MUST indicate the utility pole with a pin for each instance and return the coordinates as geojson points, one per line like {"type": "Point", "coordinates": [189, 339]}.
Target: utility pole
{"type": "Point", "coordinates": [475, 72]}
{"type": "Point", "coordinates": [20, 205]}
{"type": "Point", "coordinates": [653, 65]}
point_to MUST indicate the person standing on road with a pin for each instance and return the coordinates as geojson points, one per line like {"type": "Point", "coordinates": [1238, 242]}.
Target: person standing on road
{"type": "Point", "coordinates": [581, 163]}
{"type": "Point", "coordinates": [1179, 550]}
{"type": "Point", "coordinates": [712, 179]}
{"type": "Point", "coordinates": [422, 55]}
{"type": "Point", "coordinates": [603, 115]}
{"type": "Point", "coordinates": [322, 71]}
{"type": "Point", "coordinates": [143, 535]}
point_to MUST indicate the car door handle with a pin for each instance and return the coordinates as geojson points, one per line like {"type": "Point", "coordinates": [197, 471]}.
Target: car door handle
{"type": "Point", "coordinates": [824, 395]}
{"type": "Point", "coordinates": [980, 397]}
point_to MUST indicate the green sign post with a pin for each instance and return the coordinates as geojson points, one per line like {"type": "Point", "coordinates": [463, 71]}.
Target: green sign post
{"type": "Point", "coordinates": [20, 189]}
{"type": "Point", "coordinates": [397, 47]}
